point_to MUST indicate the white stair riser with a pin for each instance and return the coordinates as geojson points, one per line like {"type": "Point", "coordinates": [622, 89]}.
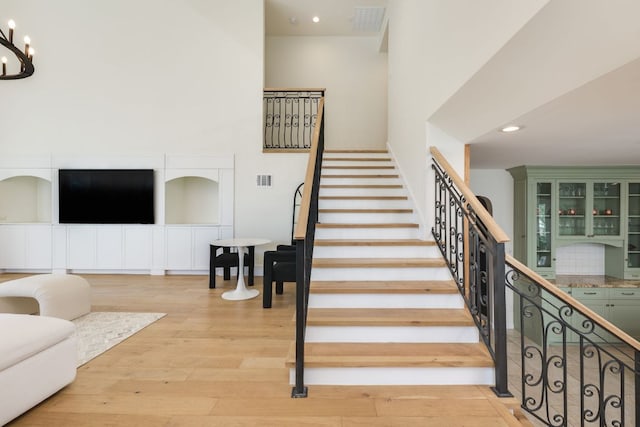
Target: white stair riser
{"type": "Point", "coordinates": [397, 334]}
{"type": "Point", "coordinates": [359, 181]}
{"type": "Point", "coordinates": [375, 252]}
{"type": "Point", "coordinates": [327, 156]}
{"type": "Point", "coordinates": [328, 180]}
{"type": "Point", "coordinates": [365, 218]}
{"type": "Point", "coordinates": [385, 301]}
{"type": "Point", "coordinates": [356, 192]}
{"type": "Point", "coordinates": [396, 376]}
{"type": "Point", "coordinates": [327, 172]}
{"type": "Point", "coordinates": [363, 204]}
{"type": "Point", "coordinates": [366, 233]}
{"type": "Point", "coordinates": [356, 162]}
{"type": "Point", "coordinates": [337, 274]}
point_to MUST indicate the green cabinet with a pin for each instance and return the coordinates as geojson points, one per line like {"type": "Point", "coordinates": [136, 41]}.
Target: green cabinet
{"type": "Point", "coordinates": [559, 206]}
{"type": "Point", "coordinates": [618, 305]}
{"type": "Point", "coordinates": [632, 233]}
{"type": "Point", "coordinates": [589, 209]}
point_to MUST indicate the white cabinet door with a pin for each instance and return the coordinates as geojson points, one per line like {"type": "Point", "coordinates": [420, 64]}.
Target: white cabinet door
{"type": "Point", "coordinates": [109, 247]}
{"type": "Point", "coordinates": [38, 246]}
{"type": "Point", "coordinates": [202, 238]}
{"type": "Point", "coordinates": [138, 247]}
{"type": "Point", "coordinates": [179, 248]}
{"type": "Point", "coordinates": [12, 246]}
{"type": "Point", "coordinates": [81, 247]}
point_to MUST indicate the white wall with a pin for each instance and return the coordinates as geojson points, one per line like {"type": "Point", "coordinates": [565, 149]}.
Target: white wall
{"type": "Point", "coordinates": [497, 185]}
{"type": "Point", "coordinates": [149, 77]}
{"type": "Point", "coordinates": [434, 48]}
{"type": "Point", "coordinates": [354, 74]}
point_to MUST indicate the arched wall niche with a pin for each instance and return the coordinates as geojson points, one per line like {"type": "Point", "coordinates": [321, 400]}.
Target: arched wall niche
{"type": "Point", "coordinates": [25, 199]}
{"type": "Point", "coordinates": [192, 200]}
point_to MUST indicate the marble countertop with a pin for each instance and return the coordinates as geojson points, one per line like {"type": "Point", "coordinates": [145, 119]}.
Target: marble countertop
{"type": "Point", "coordinates": [568, 281]}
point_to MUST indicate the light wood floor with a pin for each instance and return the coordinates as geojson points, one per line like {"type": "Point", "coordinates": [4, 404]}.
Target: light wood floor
{"type": "Point", "coordinates": [212, 362]}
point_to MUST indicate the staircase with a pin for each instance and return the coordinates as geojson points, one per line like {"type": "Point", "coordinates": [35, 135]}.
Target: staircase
{"type": "Point", "coordinates": [383, 309]}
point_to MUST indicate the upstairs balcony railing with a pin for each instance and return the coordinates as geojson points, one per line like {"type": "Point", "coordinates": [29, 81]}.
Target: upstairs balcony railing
{"type": "Point", "coordinates": [569, 366]}
{"type": "Point", "coordinates": [290, 117]}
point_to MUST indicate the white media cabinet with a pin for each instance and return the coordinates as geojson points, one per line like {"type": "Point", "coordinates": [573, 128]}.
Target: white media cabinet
{"type": "Point", "coordinates": [193, 205]}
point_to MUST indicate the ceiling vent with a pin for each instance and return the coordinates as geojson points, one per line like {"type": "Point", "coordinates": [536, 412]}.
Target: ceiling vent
{"type": "Point", "coordinates": [368, 18]}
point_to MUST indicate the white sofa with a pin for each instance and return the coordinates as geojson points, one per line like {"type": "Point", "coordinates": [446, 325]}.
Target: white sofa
{"type": "Point", "coordinates": [37, 358]}
{"type": "Point", "coordinates": [65, 296]}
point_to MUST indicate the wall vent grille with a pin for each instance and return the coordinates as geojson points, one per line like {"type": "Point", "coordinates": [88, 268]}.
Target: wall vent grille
{"type": "Point", "coordinates": [263, 180]}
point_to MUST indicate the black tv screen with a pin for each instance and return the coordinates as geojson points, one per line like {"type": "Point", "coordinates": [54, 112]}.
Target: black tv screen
{"type": "Point", "coordinates": [106, 196]}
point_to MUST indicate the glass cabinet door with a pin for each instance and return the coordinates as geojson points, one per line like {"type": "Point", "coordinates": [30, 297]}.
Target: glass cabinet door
{"type": "Point", "coordinates": [572, 198]}
{"type": "Point", "coordinates": [543, 224]}
{"type": "Point", "coordinates": [606, 209]}
{"type": "Point", "coordinates": [633, 228]}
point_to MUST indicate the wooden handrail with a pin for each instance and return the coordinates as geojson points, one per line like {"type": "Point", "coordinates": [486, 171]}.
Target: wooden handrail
{"type": "Point", "coordinates": [564, 297]}
{"type": "Point", "coordinates": [492, 226]}
{"type": "Point", "coordinates": [305, 204]}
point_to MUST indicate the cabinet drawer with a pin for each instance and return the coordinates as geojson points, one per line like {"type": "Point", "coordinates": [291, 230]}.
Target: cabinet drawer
{"type": "Point", "coordinates": [624, 293]}
{"type": "Point", "coordinates": [590, 293]}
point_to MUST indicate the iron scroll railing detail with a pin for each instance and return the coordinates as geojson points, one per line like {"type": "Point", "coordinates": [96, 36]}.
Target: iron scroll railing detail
{"type": "Point", "coordinates": [289, 118]}
{"type": "Point", "coordinates": [575, 370]}
{"type": "Point", "coordinates": [482, 284]}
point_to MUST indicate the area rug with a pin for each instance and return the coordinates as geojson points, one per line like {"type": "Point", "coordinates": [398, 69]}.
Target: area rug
{"type": "Point", "coordinates": [97, 332]}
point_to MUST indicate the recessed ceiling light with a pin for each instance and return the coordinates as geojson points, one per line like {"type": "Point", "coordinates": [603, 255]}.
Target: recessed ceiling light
{"type": "Point", "coordinates": [293, 20]}
{"type": "Point", "coordinates": [315, 19]}
{"type": "Point", "coordinates": [511, 128]}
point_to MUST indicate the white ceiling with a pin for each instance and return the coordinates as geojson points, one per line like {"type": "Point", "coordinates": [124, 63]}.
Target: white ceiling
{"type": "Point", "coordinates": [595, 124]}
{"type": "Point", "coordinates": [336, 17]}
{"type": "Point", "coordinates": [573, 76]}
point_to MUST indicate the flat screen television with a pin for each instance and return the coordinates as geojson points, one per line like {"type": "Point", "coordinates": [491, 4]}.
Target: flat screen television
{"type": "Point", "coordinates": [106, 196]}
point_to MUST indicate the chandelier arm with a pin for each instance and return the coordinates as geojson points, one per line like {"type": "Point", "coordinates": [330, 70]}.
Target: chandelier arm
{"type": "Point", "coordinates": [26, 69]}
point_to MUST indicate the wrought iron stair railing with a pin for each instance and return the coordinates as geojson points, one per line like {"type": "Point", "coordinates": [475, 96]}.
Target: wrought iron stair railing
{"type": "Point", "coordinates": [304, 239]}
{"type": "Point", "coordinates": [574, 368]}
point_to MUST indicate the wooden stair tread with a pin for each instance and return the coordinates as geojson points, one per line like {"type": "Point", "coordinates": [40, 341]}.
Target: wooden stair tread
{"type": "Point", "coordinates": [363, 197]}
{"type": "Point", "coordinates": [358, 167]}
{"type": "Point", "coordinates": [370, 186]}
{"type": "Point", "coordinates": [363, 225]}
{"type": "Point", "coordinates": [364, 150]}
{"type": "Point", "coordinates": [378, 262]}
{"type": "Point", "coordinates": [361, 176]}
{"type": "Point", "coordinates": [357, 159]}
{"type": "Point", "coordinates": [384, 286]}
{"type": "Point", "coordinates": [365, 211]}
{"type": "Point", "coordinates": [388, 317]}
{"type": "Point", "coordinates": [393, 355]}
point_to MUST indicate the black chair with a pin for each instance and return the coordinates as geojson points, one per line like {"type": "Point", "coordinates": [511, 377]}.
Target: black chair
{"type": "Point", "coordinates": [280, 265]}
{"type": "Point", "coordinates": [227, 259]}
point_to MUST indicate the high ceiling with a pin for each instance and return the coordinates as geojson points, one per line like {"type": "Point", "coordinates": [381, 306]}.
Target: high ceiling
{"type": "Point", "coordinates": [337, 17]}
{"type": "Point", "coordinates": [570, 77]}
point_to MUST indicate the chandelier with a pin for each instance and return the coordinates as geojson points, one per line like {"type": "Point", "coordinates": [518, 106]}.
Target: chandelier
{"type": "Point", "coordinates": [24, 56]}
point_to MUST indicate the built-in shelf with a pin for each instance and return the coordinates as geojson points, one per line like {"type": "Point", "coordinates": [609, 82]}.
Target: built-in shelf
{"type": "Point", "coordinates": [25, 199]}
{"type": "Point", "coordinates": [192, 200]}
